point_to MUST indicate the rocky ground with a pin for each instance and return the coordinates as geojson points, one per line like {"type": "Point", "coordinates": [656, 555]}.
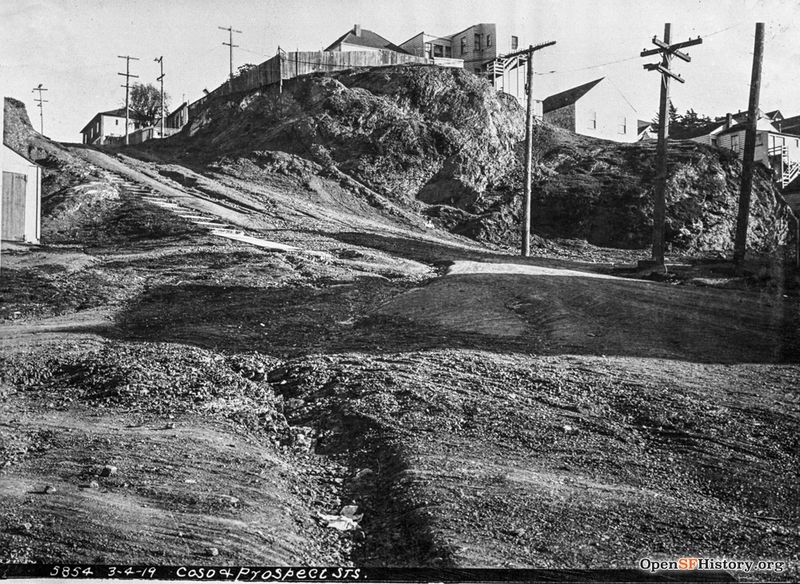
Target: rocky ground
{"type": "Point", "coordinates": [384, 392]}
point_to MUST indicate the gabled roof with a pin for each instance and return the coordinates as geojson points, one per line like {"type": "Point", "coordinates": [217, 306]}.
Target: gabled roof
{"type": "Point", "coordinates": [790, 125]}
{"type": "Point", "coordinates": [764, 125]}
{"type": "Point", "coordinates": [367, 38]}
{"type": "Point", "coordinates": [118, 113]}
{"type": "Point", "coordinates": [568, 97]}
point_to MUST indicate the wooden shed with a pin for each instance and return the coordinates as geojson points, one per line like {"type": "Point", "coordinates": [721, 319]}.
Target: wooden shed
{"type": "Point", "coordinates": [20, 216]}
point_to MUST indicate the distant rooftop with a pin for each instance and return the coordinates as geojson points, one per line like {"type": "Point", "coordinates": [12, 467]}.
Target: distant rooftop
{"type": "Point", "coordinates": [365, 38]}
{"type": "Point", "coordinates": [568, 97]}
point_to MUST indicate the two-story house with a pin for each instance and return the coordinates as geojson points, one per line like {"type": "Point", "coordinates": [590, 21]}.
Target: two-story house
{"type": "Point", "coordinates": [480, 49]}
{"type": "Point", "coordinates": [775, 149]}
{"type": "Point", "coordinates": [110, 124]}
{"type": "Point", "coordinates": [596, 109]}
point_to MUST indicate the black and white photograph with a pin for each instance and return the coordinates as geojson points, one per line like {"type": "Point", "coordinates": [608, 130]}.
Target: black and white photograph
{"type": "Point", "coordinates": [420, 291]}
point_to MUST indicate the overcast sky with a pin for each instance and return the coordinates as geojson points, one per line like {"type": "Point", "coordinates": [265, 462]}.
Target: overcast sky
{"type": "Point", "coordinates": [71, 46]}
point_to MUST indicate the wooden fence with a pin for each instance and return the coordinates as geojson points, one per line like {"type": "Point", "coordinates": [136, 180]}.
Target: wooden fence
{"type": "Point", "coordinates": [290, 65]}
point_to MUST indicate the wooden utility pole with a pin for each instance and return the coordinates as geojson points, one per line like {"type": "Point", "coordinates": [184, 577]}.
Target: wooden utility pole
{"type": "Point", "coordinates": [740, 242]}
{"type": "Point", "coordinates": [40, 101]}
{"type": "Point", "coordinates": [160, 78]}
{"type": "Point", "coordinates": [127, 87]}
{"type": "Point", "coordinates": [230, 44]}
{"type": "Point", "coordinates": [667, 51]}
{"type": "Point", "coordinates": [526, 204]}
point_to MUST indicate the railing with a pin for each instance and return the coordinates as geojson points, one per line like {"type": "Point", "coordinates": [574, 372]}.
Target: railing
{"type": "Point", "coordinates": [777, 151]}
{"type": "Point", "coordinates": [791, 170]}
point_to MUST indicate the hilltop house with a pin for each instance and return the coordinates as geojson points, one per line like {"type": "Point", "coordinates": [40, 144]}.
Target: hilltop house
{"type": "Point", "coordinates": [775, 149]}
{"type": "Point", "coordinates": [479, 49]}
{"type": "Point", "coordinates": [596, 109]}
{"type": "Point", "coordinates": [110, 124]}
{"type": "Point", "coordinates": [179, 117]}
{"type": "Point", "coordinates": [789, 125]}
{"type": "Point", "coordinates": [358, 39]}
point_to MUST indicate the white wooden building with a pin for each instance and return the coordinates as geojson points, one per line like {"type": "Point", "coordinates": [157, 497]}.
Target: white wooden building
{"type": "Point", "coordinates": [20, 216]}
{"type": "Point", "coordinates": [776, 150]}
{"type": "Point", "coordinates": [596, 109]}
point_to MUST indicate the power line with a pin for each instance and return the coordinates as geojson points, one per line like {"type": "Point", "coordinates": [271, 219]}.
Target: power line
{"type": "Point", "coordinates": [40, 101]}
{"type": "Point", "coordinates": [127, 87]}
{"type": "Point", "coordinates": [230, 44]}
{"type": "Point", "coordinates": [667, 50]}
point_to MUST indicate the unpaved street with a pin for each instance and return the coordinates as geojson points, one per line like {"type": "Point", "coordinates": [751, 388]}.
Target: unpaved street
{"type": "Point", "coordinates": [479, 409]}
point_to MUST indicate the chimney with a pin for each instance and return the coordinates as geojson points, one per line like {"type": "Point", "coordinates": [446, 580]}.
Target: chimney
{"type": "Point", "coordinates": [728, 121]}
{"type": "Point", "coordinates": [357, 30]}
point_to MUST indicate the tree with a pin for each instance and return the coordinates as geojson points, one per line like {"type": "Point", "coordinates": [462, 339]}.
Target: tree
{"type": "Point", "coordinates": [684, 126]}
{"type": "Point", "coordinates": [145, 101]}
{"type": "Point", "coordinates": [689, 124]}
{"type": "Point", "coordinates": [674, 117]}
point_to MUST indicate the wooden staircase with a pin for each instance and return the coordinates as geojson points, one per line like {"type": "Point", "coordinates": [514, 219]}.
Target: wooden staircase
{"type": "Point", "coordinates": [790, 169]}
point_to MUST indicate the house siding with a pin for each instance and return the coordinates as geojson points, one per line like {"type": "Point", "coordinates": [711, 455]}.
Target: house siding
{"type": "Point", "coordinates": [563, 117]}
{"type": "Point", "coordinates": [14, 164]}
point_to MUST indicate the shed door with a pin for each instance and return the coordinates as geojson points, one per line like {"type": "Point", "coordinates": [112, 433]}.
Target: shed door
{"type": "Point", "coordinates": [14, 187]}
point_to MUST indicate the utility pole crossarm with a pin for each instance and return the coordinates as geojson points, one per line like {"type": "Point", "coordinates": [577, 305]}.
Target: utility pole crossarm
{"type": "Point", "coordinates": [531, 49]}
{"type": "Point", "coordinates": [230, 44]}
{"type": "Point", "coordinates": [672, 49]}
{"type": "Point", "coordinates": [40, 101]}
{"type": "Point", "coordinates": [526, 202]}
{"type": "Point", "coordinates": [666, 49]}
{"type": "Point", "coordinates": [663, 71]}
{"type": "Point", "coordinates": [127, 87]}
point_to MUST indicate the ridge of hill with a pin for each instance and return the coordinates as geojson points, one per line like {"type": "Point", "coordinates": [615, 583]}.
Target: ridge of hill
{"type": "Point", "coordinates": [444, 143]}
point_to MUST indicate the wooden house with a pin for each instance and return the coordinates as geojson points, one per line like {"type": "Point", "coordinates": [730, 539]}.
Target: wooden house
{"type": "Point", "coordinates": [775, 149]}
{"type": "Point", "coordinates": [361, 39]}
{"type": "Point", "coordinates": [480, 49]}
{"type": "Point", "coordinates": [105, 126]}
{"type": "Point", "coordinates": [596, 109]}
{"type": "Point", "coordinates": [20, 212]}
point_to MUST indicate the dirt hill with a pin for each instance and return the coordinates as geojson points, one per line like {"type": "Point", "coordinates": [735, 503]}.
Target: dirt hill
{"type": "Point", "coordinates": [444, 143]}
{"type": "Point", "coordinates": [60, 167]}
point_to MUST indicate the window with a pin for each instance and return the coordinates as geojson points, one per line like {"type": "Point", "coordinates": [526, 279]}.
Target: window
{"type": "Point", "coordinates": [438, 51]}
{"type": "Point", "coordinates": [463, 45]}
{"type": "Point", "coordinates": [488, 40]}
{"type": "Point", "coordinates": [592, 125]}
{"type": "Point", "coordinates": [428, 50]}
{"type": "Point", "coordinates": [735, 142]}
{"type": "Point", "coordinates": [448, 52]}
{"type": "Point", "coordinates": [622, 126]}
{"type": "Point", "coordinates": [759, 139]}
{"type": "Point", "coordinates": [477, 42]}
{"type": "Point", "coordinates": [514, 43]}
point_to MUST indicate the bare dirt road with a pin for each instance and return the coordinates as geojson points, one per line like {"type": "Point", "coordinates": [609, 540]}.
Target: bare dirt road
{"type": "Point", "coordinates": [481, 410]}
